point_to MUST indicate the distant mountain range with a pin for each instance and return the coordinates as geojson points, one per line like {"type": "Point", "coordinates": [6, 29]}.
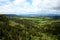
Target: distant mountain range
{"type": "Point", "coordinates": [55, 16]}
{"type": "Point", "coordinates": [38, 15]}
{"type": "Point", "coordinates": [33, 15]}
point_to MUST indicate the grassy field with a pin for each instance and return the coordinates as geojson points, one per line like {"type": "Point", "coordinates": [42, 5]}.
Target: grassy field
{"type": "Point", "coordinates": [29, 28]}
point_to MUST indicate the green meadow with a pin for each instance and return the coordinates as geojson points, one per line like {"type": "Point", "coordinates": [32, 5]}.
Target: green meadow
{"type": "Point", "coordinates": [29, 28]}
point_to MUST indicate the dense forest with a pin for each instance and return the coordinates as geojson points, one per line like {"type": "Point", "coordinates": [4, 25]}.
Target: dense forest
{"type": "Point", "coordinates": [29, 28]}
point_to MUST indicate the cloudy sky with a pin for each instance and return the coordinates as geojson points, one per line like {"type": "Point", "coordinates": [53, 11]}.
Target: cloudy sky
{"type": "Point", "coordinates": [29, 6]}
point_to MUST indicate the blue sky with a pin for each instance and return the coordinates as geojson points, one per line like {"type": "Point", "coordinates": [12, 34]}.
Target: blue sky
{"type": "Point", "coordinates": [29, 6]}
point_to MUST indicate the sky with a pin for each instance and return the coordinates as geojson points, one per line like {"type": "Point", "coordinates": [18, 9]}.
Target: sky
{"type": "Point", "coordinates": [29, 6]}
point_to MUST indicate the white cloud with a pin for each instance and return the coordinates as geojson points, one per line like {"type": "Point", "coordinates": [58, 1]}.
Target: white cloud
{"type": "Point", "coordinates": [22, 6]}
{"type": "Point", "coordinates": [18, 2]}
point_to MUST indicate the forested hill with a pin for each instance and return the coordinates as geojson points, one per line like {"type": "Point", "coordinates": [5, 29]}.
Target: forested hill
{"type": "Point", "coordinates": [44, 28]}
